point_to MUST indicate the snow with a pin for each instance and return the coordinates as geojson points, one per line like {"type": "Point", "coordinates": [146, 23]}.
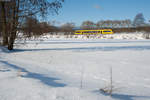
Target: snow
{"type": "Point", "coordinates": [52, 69]}
{"type": "Point", "coordinates": [132, 35]}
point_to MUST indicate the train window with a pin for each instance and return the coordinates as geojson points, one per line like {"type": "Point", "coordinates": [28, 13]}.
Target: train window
{"type": "Point", "coordinates": [106, 31]}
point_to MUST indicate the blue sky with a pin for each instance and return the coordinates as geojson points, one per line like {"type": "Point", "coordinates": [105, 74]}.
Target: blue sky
{"type": "Point", "coordinates": [78, 11]}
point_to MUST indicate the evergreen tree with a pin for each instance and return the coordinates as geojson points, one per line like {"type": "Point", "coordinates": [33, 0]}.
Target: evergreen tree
{"type": "Point", "coordinates": [139, 20]}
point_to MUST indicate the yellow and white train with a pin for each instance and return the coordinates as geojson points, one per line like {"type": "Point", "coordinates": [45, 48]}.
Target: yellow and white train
{"type": "Point", "coordinates": [94, 32]}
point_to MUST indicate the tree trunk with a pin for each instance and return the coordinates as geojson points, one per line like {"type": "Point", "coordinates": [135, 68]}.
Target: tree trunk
{"type": "Point", "coordinates": [4, 25]}
{"type": "Point", "coordinates": [11, 40]}
{"type": "Point", "coordinates": [13, 33]}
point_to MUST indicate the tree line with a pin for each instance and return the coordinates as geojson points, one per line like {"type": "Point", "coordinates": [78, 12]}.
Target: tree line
{"type": "Point", "coordinates": [127, 25]}
{"type": "Point", "coordinates": [139, 21]}
{"type": "Point", "coordinates": [138, 24]}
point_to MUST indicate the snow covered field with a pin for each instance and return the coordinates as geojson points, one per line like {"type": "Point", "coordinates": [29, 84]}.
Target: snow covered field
{"type": "Point", "coordinates": [53, 69]}
{"type": "Point", "coordinates": [133, 35]}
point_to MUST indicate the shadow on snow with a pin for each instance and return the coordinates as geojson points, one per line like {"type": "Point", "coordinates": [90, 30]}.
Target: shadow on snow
{"type": "Point", "coordinates": [87, 42]}
{"type": "Point", "coordinates": [4, 70]}
{"type": "Point", "coordinates": [118, 96]}
{"type": "Point", "coordinates": [98, 48]}
{"type": "Point", "coordinates": [50, 81]}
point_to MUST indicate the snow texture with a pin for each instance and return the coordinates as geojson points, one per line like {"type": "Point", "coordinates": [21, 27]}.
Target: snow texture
{"type": "Point", "coordinates": [52, 69]}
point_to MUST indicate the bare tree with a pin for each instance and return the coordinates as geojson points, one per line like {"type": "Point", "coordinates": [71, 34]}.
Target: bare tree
{"type": "Point", "coordinates": [31, 27]}
{"type": "Point", "coordinates": [99, 24]}
{"type": "Point", "coordinates": [18, 10]}
{"type": "Point", "coordinates": [114, 23]}
{"type": "Point", "coordinates": [4, 24]}
{"type": "Point", "coordinates": [128, 23]}
{"type": "Point", "coordinates": [88, 25]}
{"type": "Point", "coordinates": [68, 28]}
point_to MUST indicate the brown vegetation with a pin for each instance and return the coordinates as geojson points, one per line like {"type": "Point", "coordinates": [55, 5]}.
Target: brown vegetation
{"type": "Point", "coordinates": [134, 29]}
